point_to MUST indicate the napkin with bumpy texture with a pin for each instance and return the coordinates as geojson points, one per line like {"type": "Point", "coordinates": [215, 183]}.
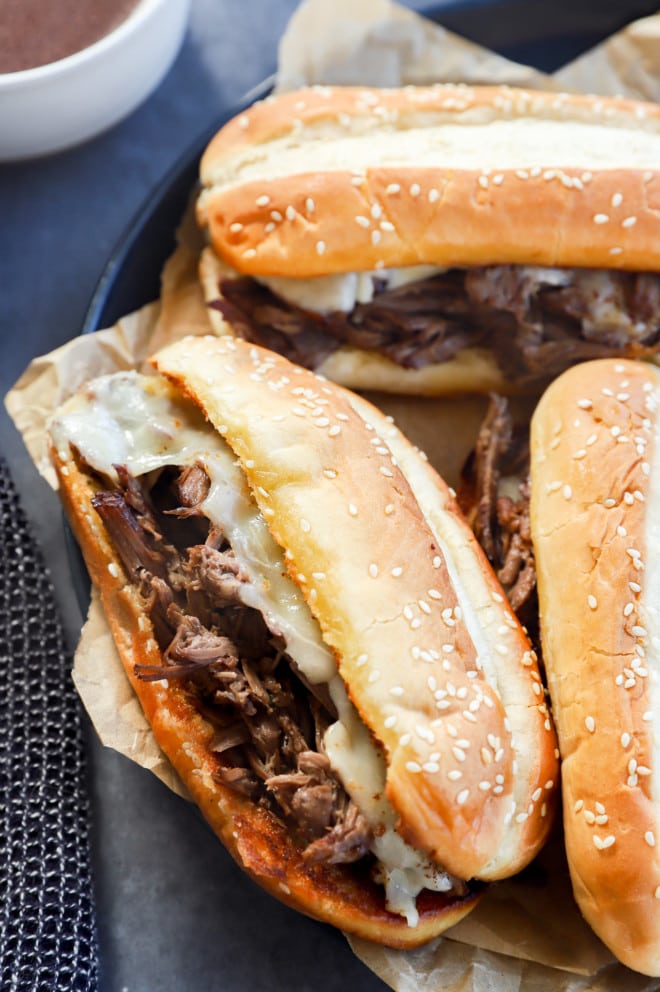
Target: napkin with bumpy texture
{"type": "Point", "coordinates": [47, 919]}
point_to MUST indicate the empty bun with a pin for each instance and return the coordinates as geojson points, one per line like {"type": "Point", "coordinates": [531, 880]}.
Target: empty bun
{"type": "Point", "coordinates": [594, 503]}
{"type": "Point", "coordinates": [333, 179]}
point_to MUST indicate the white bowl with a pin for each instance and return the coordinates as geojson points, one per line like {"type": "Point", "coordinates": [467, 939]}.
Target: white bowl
{"type": "Point", "coordinates": [54, 106]}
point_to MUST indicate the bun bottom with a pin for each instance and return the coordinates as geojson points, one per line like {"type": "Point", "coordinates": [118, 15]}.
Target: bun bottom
{"type": "Point", "coordinates": [473, 370]}
{"type": "Point", "coordinates": [341, 895]}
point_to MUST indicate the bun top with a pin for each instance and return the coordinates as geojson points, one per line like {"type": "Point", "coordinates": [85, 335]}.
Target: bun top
{"type": "Point", "coordinates": [336, 179]}
{"type": "Point", "coordinates": [432, 657]}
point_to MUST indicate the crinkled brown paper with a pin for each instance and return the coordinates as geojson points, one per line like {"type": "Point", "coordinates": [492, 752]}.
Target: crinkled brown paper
{"type": "Point", "coordinates": [527, 934]}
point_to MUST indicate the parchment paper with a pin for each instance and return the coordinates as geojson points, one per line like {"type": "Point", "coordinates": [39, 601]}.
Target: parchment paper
{"type": "Point", "coordinates": [527, 934]}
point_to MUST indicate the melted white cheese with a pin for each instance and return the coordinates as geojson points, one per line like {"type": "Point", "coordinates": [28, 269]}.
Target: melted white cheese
{"type": "Point", "coordinates": [343, 291]}
{"type": "Point", "coordinates": [122, 420]}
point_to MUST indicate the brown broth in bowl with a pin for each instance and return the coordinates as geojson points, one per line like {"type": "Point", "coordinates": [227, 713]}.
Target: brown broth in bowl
{"type": "Point", "coordinates": [37, 32]}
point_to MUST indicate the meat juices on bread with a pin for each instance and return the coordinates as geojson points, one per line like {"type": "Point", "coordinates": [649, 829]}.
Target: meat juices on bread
{"type": "Point", "coordinates": [435, 239]}
{"type": "Point", "coordinates": [594, 474]}
{"type": "Point", "coordinates": [314, 634]}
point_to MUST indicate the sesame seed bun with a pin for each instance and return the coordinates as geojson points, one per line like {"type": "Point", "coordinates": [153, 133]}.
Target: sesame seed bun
{"type": "Point", "coordinates": [594, 484]}
{"type": "Point", "coordinates": [403, 601]}
{"type": "Point", "coordinates": [333, 180]}
{"type": "Point", "coordinates": [432, 655]}
{"type": "Point", "coordinates": [443, 175]}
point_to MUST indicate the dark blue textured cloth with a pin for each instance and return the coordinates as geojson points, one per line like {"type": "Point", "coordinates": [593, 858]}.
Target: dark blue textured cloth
{"type": "Point", "coordinates": [47, 924]}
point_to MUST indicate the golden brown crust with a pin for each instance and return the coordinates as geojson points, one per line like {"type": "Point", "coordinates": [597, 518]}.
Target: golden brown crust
{"type": "Point", "coordinates": [334, 894]}
{"type": "Point", "coordinates": [428, 655]}
{"type": "Point", "coordinates": [593, 496]}
{"type": "Point", "coordinates": [352, 212]}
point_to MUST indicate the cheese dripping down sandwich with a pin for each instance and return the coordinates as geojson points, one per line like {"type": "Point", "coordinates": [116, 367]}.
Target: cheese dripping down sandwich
{"type": "Point", "coordinates": [596, 533]}
{"type": "Point", "coordinates": [435, 239]}
{"type": "Point", "coordinates": [314, 634]}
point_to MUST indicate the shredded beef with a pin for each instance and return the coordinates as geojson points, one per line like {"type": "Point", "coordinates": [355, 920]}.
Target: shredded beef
{"type": "Point", "coordinates": [499, 520]}
{"type": "Point", "coordinates": [536, 321]}
{"type": "Point", "coordinates": [268, 727]}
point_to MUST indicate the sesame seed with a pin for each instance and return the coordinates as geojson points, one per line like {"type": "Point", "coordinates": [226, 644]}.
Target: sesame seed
{"type": "Point", "coordinates": [649, 837]}
{"type": "Point", "coordinates": [397, 571]}
{"type": "Point", "coordinates": [483, 182]}
{"type": "Point", "coordinates": [235, 227]}
{"type": "Point", "coordinates": [454, 775]}
{"type": "Point", "coordinates": [389, 509]}
{"type": "Point", "coordinates": [585, 404]}
{"type": "Point", "coordinates": [590, 724]}
{"type": "Point", "coordinates": [352, 509]}
{"type": "Point", "coordinates": [373, 570]}
{"type": "Point", "coordinates": [617, 199]}
{"type": "Point", "coordinates": [305, 526]}
{"type": "Point", "coordinates": [629, 222]}
{"type": "Point", "coordinates": [334, 430]}
{"type": "Point", "coordinates": [262, 201]}
{"type": "Point", "coordinates": [413, 766]}
{"type": "Point", "coordinates": [567, 492]}
{"type": "Point", "coordinates": [600, 218]}
{"type": "Point", "coordinates": [320, 247]}
{"type": "Point", "coordinates": [309, 203]}
{"type": "Point", "coordinates": [415, 189]}
{"type": "Point", "coordinates": [113, 569]}
{"type": "Point", "coordinates": [362, 221]}
{"type": "Point", "coordinates": [374, 675]}
{"type": "Point", "coordinates": [592, 601]}
{"type": "Point", "coordinates": [249, 253]}
{"type": "Point", "coordinates": [603, 844]}
{"type": "Point", "coordinates": [393, 188]}
{"type": "Point", "coordinates": [431, 767]}
{"type": "Point", "coordinates": [462, 797]}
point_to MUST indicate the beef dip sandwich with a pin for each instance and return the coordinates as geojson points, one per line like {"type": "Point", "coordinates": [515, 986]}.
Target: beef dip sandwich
{"type": "Point", "coordinates": [436, 239]}
{"type": "Point", "coordinates": [317, 639]}
{"type": "Point", "coordinates": [596, 535]}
